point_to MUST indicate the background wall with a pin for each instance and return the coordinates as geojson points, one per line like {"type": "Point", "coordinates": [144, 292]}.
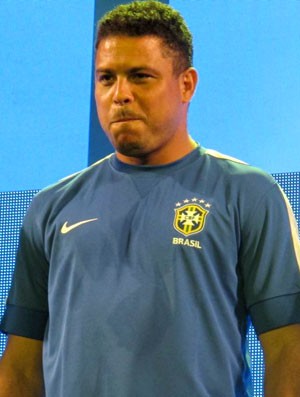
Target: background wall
{"type": "Point", "coordinates": [248, 99]}
{"type": "Point", "coordinates": [45, 74]}
{"type": "Point", "coordinates": [247, 102]}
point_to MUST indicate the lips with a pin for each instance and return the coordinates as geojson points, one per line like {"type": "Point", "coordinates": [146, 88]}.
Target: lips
{"type": "Point", "coordinates": [123, 116]}
{"type": "Point", "coordinates": [124, 120]}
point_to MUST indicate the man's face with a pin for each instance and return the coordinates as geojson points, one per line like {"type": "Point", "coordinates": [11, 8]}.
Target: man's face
{"type": "Point", "coordinates": [141, 104]}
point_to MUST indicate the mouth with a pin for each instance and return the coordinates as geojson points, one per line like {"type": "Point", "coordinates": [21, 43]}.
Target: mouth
{"type": "Point", "coordinates": [125, 120]}
{"type": "Point", "coordinates": [124, 116]}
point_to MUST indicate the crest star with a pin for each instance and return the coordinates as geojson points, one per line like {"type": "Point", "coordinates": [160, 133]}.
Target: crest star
{"type": "Point", "coordinates": [194, 199]}
{"type": "Point", "coordinates": [178, 204]}
{"type": "Point", "coordinates": [186, 201]}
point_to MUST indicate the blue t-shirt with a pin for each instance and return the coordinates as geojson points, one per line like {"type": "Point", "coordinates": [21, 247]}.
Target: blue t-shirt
{"type": "Point", "coordinates": [141, 279]}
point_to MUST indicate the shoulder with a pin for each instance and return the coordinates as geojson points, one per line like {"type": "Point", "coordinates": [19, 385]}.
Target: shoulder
{"type": "Point", "coordinates": [54, 196]}
{"type": "Point", "coordinates": [74, 181]}
{"type": "Point", "coordinates": [236, 174]}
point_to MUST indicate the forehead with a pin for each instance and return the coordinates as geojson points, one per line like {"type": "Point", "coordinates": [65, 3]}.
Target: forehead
{"type": "Point", "coordinates": [121, 50]}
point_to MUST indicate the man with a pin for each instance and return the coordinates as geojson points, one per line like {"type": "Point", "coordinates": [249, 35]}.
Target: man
{"type": "Point", "coordinates": [137, 276]}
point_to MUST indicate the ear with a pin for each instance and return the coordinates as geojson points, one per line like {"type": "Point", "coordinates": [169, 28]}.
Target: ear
{"type": "Point", "coordinates": [188, 83]}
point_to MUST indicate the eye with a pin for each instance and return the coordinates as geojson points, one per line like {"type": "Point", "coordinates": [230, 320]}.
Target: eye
{"type": "Point", "coordinates": [105, 78]}
{"type": "Point", "coordinates": [140, 77]}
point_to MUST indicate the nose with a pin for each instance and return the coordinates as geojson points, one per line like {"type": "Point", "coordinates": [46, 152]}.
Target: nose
{"type": "Point", "coordinates": [122, 92]}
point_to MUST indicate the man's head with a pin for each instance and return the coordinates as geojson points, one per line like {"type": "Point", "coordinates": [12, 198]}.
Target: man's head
{"type": "Point", "coordinates": [144, 82]}
{"type": "Point", "coordinates": [147, 18]}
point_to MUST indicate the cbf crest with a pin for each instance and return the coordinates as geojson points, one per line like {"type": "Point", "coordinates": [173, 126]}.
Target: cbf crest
{"type": "Point", "coordinates": [190, 216]}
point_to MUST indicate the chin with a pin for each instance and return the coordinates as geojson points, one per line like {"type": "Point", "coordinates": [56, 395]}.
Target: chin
{"type": "Point", "coordinates": [133, 149]}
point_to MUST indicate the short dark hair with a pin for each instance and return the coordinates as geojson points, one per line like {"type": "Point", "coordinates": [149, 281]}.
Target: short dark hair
{"type": "Point", "coordinates": [150, 17]}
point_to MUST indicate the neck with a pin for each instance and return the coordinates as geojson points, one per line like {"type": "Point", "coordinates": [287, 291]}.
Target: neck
{"type": "Point", "coordinates": [160, 157]}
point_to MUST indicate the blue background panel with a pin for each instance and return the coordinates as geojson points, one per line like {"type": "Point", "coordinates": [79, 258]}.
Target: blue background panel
{"type": "Point", "coordinates": [46, 60]}
{"type": "Point", "coordinates": [246, 105]}
{"type": "Point", "coordinates": [248, 98]}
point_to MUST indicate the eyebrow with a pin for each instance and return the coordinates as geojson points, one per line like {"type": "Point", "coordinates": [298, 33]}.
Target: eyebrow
{"type": "Point", "coordinates": [130, 70]}
{"type": "Point", "coordinates": [103, 70]}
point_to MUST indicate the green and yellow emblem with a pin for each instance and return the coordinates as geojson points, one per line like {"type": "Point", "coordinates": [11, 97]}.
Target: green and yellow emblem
{"type": "Point", "coordinates": [189, 219]}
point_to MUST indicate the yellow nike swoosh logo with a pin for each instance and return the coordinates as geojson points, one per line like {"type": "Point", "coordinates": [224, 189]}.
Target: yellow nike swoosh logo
{"type": "Point", "coordinates": [67, 228]}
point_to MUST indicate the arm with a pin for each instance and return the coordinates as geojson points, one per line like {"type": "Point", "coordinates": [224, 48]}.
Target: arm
{"type": "Point", "coordinates": [21, 368]}
{"type": "Point", "coordinates": [282, 361]}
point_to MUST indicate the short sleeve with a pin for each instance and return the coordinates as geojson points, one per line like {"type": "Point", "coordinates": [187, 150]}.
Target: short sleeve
{"type": "Point", "coordinates": [26, 312]}
{"type": "Point", "coordinates": [270, 262]}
